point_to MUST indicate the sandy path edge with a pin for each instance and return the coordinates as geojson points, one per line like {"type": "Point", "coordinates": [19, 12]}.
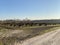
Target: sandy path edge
{"type": "Point", "coordinates": [46, 39]}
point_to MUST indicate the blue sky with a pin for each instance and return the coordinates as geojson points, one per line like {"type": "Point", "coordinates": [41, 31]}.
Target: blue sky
{"type": "Point", "coordinates": [31, 9]}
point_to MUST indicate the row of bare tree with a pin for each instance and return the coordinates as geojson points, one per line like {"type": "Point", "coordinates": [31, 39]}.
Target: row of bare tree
{"type": "Point", "coordinates": [19, 24]}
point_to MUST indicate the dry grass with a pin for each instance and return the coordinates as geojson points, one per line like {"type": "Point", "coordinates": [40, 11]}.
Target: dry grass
{"type": "Point", "coordinates": [28, 32]}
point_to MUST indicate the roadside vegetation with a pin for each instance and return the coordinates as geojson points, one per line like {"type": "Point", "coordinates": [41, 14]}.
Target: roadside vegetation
{"type": "Point", "coordinates": [12, 32]}
{"type": "Point", "coordinates": [28, 32]}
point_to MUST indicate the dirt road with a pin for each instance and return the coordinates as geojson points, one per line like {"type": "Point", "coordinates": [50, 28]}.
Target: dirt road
{"type": "Point", "coordinates": [51, 38]}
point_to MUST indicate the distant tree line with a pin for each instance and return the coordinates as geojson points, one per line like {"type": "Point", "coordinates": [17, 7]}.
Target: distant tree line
{"type": "Point", "coordinates": [29, 22]}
